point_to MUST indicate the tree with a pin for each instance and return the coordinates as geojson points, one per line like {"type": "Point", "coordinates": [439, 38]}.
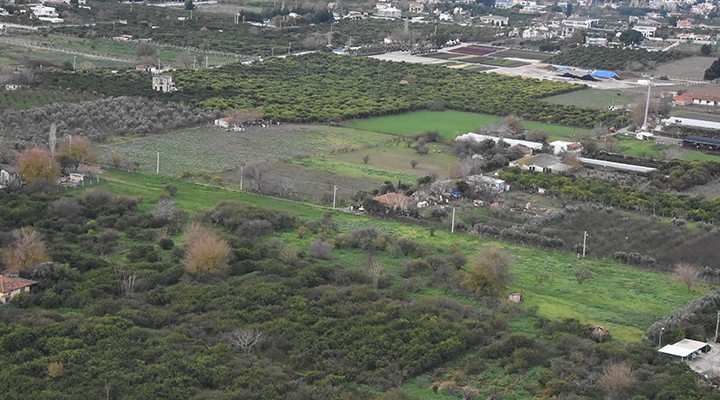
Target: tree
{"type": "Point", "coordinates": [189, 5]}
{"type": "Point", "coordinates": [686, 274]}
{"type": "Point", "coordinates": [75, 151]}
{"type": "Point", "coordinates": [366, 159]}
{"type": "Point", "coordinates": [247, 338]}
{"type": "Point", "coordinates": [375, 270]}
{"type": "Point", "coordinates": [582, 275]}
{"type": "Point", "coordinates": [37, 163]}
{"type": "Point", "coordinates": [568, 9]}
{"type": "Point", "coordinates": [631, 36]}
{"type": "Point", "coordinates": [258, 172]}
{"type": "Point", "coordinates": [490, 272]}
{"type": "Point", "coordinates": [146, 53]}
{"type": "Point", "coordinates": [27, 251]}
{"type": "Point", "coordinates": [414, 163]}
{"type": "Point", "coordinates": [116, 158]}
{"type": "Point", "coordinates": [713, 72]}
{"type": "Point", "coordinates": [617, 380]}
{"type": "Point", "coordinates": [705, 50]}
{"type": "Point", "coordinates": [205, 251]}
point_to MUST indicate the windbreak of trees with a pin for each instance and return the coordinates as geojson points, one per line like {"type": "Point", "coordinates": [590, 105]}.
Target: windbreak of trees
{"type": "Point", "coordinates": [97, 120]}
{"type": "Point", "coordinates": [324, 87]}
{"type": "Point", "coordinates": [598, 57]}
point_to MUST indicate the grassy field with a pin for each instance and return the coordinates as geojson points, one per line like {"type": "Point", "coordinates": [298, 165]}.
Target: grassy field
{"type": "Point", "coordinates": [442, 56]}
{"type": "Point", "coordinates": [528, 55]}
{"type": "Point", "coordinates": [594, 98]}
{"type": "Point", "coordinates": [19, 55]}
{"type": "Point", "coordinates": [214, 150]}
{"type": "Point", "coordinates": [622, 298]}
{"type": "Point", "coordinates": [451, 124]}
{"type": "Point", "coordinates": [651, 149]}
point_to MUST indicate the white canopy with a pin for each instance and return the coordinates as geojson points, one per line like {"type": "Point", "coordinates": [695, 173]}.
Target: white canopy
{"type": "Point", "coordinates": [683, 348]}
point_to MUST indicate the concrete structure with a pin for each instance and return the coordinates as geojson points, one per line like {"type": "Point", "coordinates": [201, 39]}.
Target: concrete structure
{"type": "Point", "coordinates": [223, 122]}
{"type": "Point", "coordinates": [696, 123]}
{"type": "Point", "coordinates": [389, 12]}
{"type": "Point", "coordinates": [416, 7]}
{"type": "Point", "coordinates": [708, 95]}
{"type": "Point", "coordinates": [47, 14]}
{"type": "Point", "coordinates": [647, 30]}
{"type": "Point", "coordinates": [686, 349]}
{"type": "Point", "coordinates": [163, 83]}
{"type": "Point", "coordinates": [11, 286]}
{"type": "Point", "coordinates": [489, 183]}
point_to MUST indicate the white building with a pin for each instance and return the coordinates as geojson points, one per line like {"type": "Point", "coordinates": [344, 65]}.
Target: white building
{"type": "Point", "coordinates": [44, 13]}
{"type": "Point", "coordinates": [494, 20]}
{"type": "Point", "coordinates": [580, 22]}
{"type": "Point", "coordinates": [389, 12]}
{"type": "Point", "coordinates": [647, 30]}
{"type": "Point", "coordinates": [163, 83]}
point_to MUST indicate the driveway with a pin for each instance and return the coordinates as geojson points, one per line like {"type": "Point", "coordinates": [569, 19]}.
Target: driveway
{"type": "Point", "coordinates": [707, 364]}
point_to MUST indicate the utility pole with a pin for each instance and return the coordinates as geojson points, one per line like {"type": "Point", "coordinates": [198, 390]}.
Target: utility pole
{"type": "Point", "coordinates": [289, 48]}
{"type": "Point", "coordinates": [452, 224]}
{"type": "Point", "coordinates": [157, 167]}
{"type": "Point", "coordinates": [242, 173]}
{"type": "Point", "coordinates": [334, 195]}
{"type": "Point", "coordinates": [647, 105]}
{"type": "Point", "coordinates": [717, 325]}
{"type": "Point", "coordinates": [74, 59]}
{"type": "Point", "coordinates": [585, 235]}
{"type": "Point", "coordinates": [206, 61]}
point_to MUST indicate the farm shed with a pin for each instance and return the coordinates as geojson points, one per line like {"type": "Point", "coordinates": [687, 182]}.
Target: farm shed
{"type": "Point", "coordinates": [701, 142]}
{"type": "Point", "coordinates": [394, 200]}
{"type": "Point", "coordinates": [615, 165]}
{"type": "Point", "coordinates": [11, 286]}
{"type": "Point", "coordinates": [541, 163]}
{"type": "Point", "coordinates": [697, 123]}
{"type": "Point", "coordinates": [686, 349]}
{"type": "Point", "coordinates": [512, 142]}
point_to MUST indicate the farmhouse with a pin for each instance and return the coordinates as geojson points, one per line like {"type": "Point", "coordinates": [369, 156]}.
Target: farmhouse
{"type": "Point", "coordinates": [389, 12]}
{"type": "Point", "coordinates": [560, 146]}
{"type": "Point", "coordinates": [686, 349]}
{"type": "Point", "coordinates": [394, 200]}
{"type": "Point", "coordinates": [48, 14]}
{"type": "Point", "coordinates": [541, 163]}
{"type": "Point", "coordinates": [11, 286]}
{"type": "Point", "coordinates": [704, 95]}
{"type": "Point", "coordinates": [646, 30]}
{"type": "Point", "coordinates": [163, 83]}
{"type": "Point", "coordinates": [223, 122]}
{"type": "Point", "coordinates": [580, 22]}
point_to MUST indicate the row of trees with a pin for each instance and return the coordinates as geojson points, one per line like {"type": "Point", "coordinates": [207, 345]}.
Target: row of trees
{"type": "Point", "coordinates": [598, 57]}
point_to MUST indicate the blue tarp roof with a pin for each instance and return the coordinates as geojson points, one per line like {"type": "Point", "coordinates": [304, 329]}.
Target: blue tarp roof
{"type": "Point", "coordinates": [604, 74]}
{"type": "Point", "coordinates": [562, 67]}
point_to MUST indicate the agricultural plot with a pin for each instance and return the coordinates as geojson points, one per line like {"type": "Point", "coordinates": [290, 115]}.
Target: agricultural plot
{"type": "Point", "coordinates": [441, 56]}
{"type": "Point", "coordinates": [475, 50]}
{"type": "Point", "coordinates": [17, 55]}
{"type": "Point", "coordinates": [451, 124]}
{"type": "Point", "coordinates": [523, 54]}
{"type": "Point", "coordinates": [215, 150]}
{"type": "Point", "coordinates": [498, 62]}
{"type": "Point", "coordinates": [692, 68]}
{"type": "Point", "coordinates": [595, 98]}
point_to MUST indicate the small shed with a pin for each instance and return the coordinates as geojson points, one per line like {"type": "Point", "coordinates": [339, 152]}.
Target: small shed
{"type": "Point", "coordinates": [686, 349]}
{"type": "Point", "coordinates": [515, 297]}
{"type": "Point", "coordinates": [605, 74]}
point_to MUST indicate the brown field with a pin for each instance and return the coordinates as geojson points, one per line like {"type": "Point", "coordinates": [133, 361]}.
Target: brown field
{"type": "Point", "coordinates": [692, 68]}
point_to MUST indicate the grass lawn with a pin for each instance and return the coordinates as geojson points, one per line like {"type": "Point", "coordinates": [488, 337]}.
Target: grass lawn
{"type": "Point", "coordinates": [622, 298]}
{"type": "Point", "coordinates": [594, 98]}
{"type": "Point", "coordinates": [388, 162]}
{"type": "Point", "coordinates": [451, 124]}
{"type": "Point", "coordinates": [642, 148]}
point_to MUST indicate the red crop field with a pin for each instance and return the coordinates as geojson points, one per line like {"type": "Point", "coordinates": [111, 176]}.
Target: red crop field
{"type": "Point", "coordinates": [475, 50]}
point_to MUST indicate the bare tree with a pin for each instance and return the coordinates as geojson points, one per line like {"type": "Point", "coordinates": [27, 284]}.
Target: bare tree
{"type": "Point", "coordinates": [582, 275]}
{"type": "Point", "coordinates": [285, 187]}
{"type": "Point", "coordinates": [686, 274]}
{"type": "Point", "coordinates": [117, 159]}
{"type": "Point", "coordinates": [165, 209]}
{"type": "Point", "coordinates": [366, 159]}
{"type": "Point", "coordinates": [375, 270]}
{"type": "Point", "coordinates": [127, 281]}
{"type": "Point", "coordinates": [258, 172]}
{"type": "Point", "coordinates": [27, 251]}
{"type": "Point", "coordinates": [53, 139]}
{"type": "Point", "coordinates": [617, 380]}
{"type": "Point", "coordinates": [414, 163]}
{"type": "Point", "coordinates": [247, 338]}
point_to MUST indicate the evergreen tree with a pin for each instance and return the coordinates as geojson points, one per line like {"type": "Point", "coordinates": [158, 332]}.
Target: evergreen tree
{"type": "Point", "coordinates": [713, 72]}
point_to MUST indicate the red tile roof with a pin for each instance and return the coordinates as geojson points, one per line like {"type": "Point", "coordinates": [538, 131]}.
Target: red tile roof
{"type": "Point", "coordinates": [9, 284]}
{"type": "Point", "coordinates": [393, 199]}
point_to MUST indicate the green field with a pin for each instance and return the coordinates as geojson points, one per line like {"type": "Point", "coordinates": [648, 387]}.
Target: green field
{"type": "Point", "coordinates": [594, 98]}
{"type": "Point", "coordinates": [451, 124]}
{"type": "Point", "coordinates": [652, 149]}
{"type": "Point", "coordinates": [497, 62]}
{"type": "Point", "coordinates": [19, 55]}
{"type": "Point", "coordinates": [215, 150]}
{"type": "Point", "coordinates": [624, 299]}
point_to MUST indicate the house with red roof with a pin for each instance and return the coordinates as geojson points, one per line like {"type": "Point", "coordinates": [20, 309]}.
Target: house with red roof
{"type": "Point", "coordinates": [11, 286]}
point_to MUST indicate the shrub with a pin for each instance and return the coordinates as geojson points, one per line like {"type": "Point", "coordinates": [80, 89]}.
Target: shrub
{"type": "Point", "coordinates": [205, 251]}
{"type": "Point", "coordinates": [321, 249]}
{"type": "Point", "coordinates": [27, 251]}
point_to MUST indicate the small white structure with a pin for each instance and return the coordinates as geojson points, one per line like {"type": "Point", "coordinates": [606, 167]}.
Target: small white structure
{"type": "Point", "coordinates": [541, 163]}
{"type": "Point", "coordinates": [560, 146]}
{"type": "Point", "coordinates": [47, 14]}
{"type": "Point", "coordinates": [223, 122]}
{"type": "Point", "coordinates": [686, 349]}
{"type": "Point", "coordinates": [647, 30]}
{"type": "Point", "coordinates": [163, 83]}
{"type": "Point", "coordinates": [489, 183]}
{"type": "Point", "coordinates": [580, 22]}
{"type": "Point", "coordinates": [389, 12]}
